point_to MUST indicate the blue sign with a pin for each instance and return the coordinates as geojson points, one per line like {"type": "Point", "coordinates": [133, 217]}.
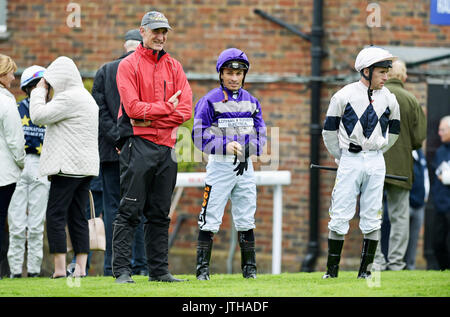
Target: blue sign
{"type": "Point", "coordinates": [440, 12]}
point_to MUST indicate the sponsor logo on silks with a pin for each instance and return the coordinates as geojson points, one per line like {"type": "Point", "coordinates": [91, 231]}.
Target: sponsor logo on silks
{"type": "Point", "coordinates": [235, 122]}
{"type": "Point", "coordinates": [202, 216]}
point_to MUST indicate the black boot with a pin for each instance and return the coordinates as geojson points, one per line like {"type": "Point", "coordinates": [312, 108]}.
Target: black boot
{"type": "Point", "coordinates": [367, 255]}
{"type": "Point", "coordinates": [203, 257]}
{"type": "Point", "coordinates": [334, 257]}
{"type": "Point", "coordinates": [248, 256]}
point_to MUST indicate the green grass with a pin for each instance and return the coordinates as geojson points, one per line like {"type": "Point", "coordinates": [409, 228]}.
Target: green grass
{"type": "Point", "coordinates": [389, 284]}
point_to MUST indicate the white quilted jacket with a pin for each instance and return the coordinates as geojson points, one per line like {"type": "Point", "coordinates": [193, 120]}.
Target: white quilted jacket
{"type": "Point", "coordinates": [70, 143]}
{"type": "Point", "coordinates": [12, 141]}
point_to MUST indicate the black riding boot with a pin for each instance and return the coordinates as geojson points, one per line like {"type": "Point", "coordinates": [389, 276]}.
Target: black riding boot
{"type": "Point", "coordinates": [367, 255]}
{"type": "Point", "coordinates": [203, 257]}
{"type": "Point", "coordinates": [334, 257]}
{"type": "Point", "coordinates": [248, 257]}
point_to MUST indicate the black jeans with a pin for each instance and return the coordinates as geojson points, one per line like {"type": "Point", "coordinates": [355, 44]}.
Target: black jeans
{"type": "Point", "coordinates": [148, 176]}
{"type": "Point", "coordinates": [67, 204]}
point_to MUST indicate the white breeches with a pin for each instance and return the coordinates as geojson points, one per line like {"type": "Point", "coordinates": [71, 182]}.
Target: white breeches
{"type": "Point", "coordinates": [27, 211]}
{"type": "Point", "coordinates": [358, 173]}
{"type": "Point", "coordinates": [221, 184]}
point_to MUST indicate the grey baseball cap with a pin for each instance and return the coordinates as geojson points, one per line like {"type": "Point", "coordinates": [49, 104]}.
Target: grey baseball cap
{"type": "Point", "coordinates": [155, 20]}
{"type": "Point", "coordinates": [134, 35]}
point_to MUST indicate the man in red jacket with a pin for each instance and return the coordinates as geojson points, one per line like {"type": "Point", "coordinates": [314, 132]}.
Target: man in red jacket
{"type": "Point", "coordinates": [155, 99]}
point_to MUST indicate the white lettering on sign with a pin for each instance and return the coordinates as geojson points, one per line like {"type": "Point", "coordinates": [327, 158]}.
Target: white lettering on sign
{"type": "Point", "coordinates": [235, 122]}
{"type": "Point", "coordinates": [443, 6]}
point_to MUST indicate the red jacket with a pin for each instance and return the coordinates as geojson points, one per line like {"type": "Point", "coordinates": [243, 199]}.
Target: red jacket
{"type": "Point", "coordinates": [145, 82]}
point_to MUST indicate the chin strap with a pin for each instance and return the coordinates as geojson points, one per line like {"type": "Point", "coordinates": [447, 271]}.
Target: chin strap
{"type": "Point", "coordinates": [369, 79]}
{"type": "Point", "coordinates": [225, 96]}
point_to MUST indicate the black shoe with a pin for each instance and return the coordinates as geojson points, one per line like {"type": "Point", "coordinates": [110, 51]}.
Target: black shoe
{"type": "Point", "coordinates": [33, 274]}
{"type": "Point", "coordinates": [203, 258]}
{"type": "Point", "coordinates": [203, 277]}
{"type": "Point", "coordinates": [15, 275]}
{"type": "Point", "coordinates": [124, 279]}
{"type": "Point", "coordinates": [165, 278]}
{"type": "Point", "coordinates": [249, 272]}
{"type": "Point", "coordinates": [141, 273]}
{"type": "Point", "coordinates": [334, 257]}
{"type": "Point", "coordinates": [365, 275]}
{"type": "Point", "coordinates": [367, 255]}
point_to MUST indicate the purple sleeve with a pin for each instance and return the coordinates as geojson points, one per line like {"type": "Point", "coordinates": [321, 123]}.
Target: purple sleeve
{"type": "Point", "coordinates": [202, 136]}
{"type": "Point", "coordinates": [258, 140]}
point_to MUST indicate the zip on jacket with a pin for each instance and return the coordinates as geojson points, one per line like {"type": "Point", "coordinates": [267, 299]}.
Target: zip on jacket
{"type": "Point", "coordinates": [145, 99]}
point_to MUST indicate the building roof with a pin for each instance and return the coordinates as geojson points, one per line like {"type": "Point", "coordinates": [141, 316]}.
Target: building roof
{"type": "Point", "coordinates": [415, 56]}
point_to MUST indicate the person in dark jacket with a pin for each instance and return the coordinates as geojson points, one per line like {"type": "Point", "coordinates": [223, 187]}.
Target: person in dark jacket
{"type": "Point", "coordinates": [105, 93]}
{"type": "Point", "coordinates": [399, 161]}
{"type": "Point", "coordinates": [418, 197]}
{"type": "Point", "coordinates": [440, 194]}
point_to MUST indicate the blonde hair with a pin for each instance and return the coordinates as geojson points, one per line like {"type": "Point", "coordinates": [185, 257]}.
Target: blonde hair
{"type": "Point", "coordinates": [6, 65]}
{"type": "Point", "coordinates": [398, 70]}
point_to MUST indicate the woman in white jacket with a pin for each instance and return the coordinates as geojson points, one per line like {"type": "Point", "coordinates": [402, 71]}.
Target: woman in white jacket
{"type": "Point", "coordinates": [69, 157]}
{"type": "Point", "coordinates": [12, 141]}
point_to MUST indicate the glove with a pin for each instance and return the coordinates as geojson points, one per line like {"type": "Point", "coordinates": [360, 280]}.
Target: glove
{"type": "Point", "coordinates": [240, 167]}
{"type": "Point", "coordinates": [243, 164]}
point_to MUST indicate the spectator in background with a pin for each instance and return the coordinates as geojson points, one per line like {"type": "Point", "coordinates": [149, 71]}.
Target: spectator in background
{"type": "Point", "coordinates": [418, 197]}
{"type": "Point", "coordinates": [12, 141]}
{"type": "Point", "coordinates": [105, 93]}
{"type": "Point", "coordinates": [26, 211]}
{"type": "Point", "coordinates": [155, 99]}
{"type": "Point", "coordinates": [440, 193]}
{"type": "Point", "coordinates": [97, 194]}
{"type": "Point", "coordinates": [69, 157]}
{"type": "Point", "coordinates": [399, 161]}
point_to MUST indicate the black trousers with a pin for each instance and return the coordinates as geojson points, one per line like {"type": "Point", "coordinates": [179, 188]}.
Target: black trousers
{"type": "Point", "coordinates": [6, 193]}
{"type": "Point", "coordinates": [67, 202]}
{"type": "Point", "coordinates": [148, 175]}
{"type": "Point", "coordinates": [441, 239]}
{"type": "Point", "coordinates": [111, 197]}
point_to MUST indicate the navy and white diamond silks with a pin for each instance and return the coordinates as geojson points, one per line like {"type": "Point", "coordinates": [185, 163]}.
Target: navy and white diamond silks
{"type": "Point", "coordinates": [369, 120]}
{"type": "Point", "coordinates": [350, 119]}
